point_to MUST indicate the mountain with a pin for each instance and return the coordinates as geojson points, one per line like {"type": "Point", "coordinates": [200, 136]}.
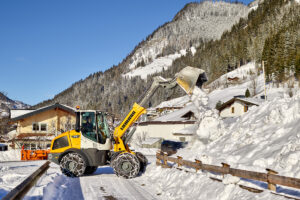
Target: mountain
{"type": "Point", "coordinates": [6, 104]}
{"type": "Point", "coordinates": [194, 25]}
{"type": "Point", "coordinates": [195, 38]}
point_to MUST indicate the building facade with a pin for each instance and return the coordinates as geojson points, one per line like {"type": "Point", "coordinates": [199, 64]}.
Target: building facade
{"type": "Point", "coordinates": [36, 128]}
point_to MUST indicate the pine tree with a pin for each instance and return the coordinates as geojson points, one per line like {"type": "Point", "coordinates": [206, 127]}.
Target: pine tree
{"type": "Point", "coordinates": [247, 93]}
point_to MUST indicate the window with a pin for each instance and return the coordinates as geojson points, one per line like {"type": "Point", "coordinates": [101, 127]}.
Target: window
{"type": "Point", "coordinates": [232, 110]}
{"type": "Point", "coordinates": [39, 127]}
{"type": "Point", "coordinates": [60, 143]}
{"type": "Point", "coordinates": [35, 127]}
{"type": "Point", "coordinates": [245, 108]}
{"type": "Point", "coordinates": [43, 127]}
{"type": "Point", "coordinates": [88, 125]}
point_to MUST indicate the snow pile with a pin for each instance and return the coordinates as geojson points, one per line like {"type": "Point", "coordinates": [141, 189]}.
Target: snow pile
{"type": "Point", "coordinates": [267, 136]}
{"type": "Point", "coordinates": [10, 155]}
{"type": "Point", "coordinates": [177, 102]}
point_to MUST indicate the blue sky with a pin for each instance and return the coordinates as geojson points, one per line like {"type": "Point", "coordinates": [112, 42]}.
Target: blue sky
{"type": "Point", "coordinates": [45, 46]}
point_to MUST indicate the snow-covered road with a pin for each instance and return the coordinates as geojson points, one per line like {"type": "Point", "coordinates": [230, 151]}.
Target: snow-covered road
{"type": "Point", "coordinates": [103, 184]}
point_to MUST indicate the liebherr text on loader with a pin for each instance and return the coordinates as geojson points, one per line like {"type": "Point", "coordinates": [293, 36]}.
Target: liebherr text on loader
{"type": "Point", "coordinates": [80, 151]}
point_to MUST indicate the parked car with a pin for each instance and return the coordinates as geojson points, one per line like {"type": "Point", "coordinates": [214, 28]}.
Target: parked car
{"type": "Point", "coordinates": [171, 147]}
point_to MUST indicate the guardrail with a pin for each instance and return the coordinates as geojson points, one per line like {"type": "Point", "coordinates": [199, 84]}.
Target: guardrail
{"type": "Point", "coordinates": [20, 191]}
{"type": "Point", "coordinates": [270, 177]}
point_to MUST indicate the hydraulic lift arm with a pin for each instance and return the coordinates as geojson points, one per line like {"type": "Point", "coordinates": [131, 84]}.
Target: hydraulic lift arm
{"type": "Point", "coordinates": [187, 78]}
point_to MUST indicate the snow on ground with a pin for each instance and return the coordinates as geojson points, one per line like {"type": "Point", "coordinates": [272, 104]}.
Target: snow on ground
{"type": "Point", "coordinates": [13, 173]}
{"type": "Point", "coordinates": [267, 136]}
{"type": "Point", "coordinates": [10, 155]}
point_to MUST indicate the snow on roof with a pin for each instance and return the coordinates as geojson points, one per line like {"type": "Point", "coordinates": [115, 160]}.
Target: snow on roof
{"type": "Point", "coordinates": [53, 106]}
{"type": "Point", "coordinates": [177, 115]}
{"type": "Point", "coordinates": [3, 145]}
{"type": "Point", "coordinates": [177, 102]}
{"type": "Point", "coordinates": [249, 101]}
{"type": "Point", "coordinates": [190, 130]}
{"type": "Point", "coordinates": [151, 141]}
{"type": "Point", "coordinates": [16, 113]}
{"type": "Point", "coordinates": [12, 134]}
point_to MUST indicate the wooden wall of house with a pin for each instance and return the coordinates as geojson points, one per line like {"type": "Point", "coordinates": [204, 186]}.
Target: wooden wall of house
{"type": "Point", "coordinates": [55, 120]}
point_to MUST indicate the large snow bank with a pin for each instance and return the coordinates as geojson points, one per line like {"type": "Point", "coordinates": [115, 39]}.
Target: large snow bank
{"type": "Point", "coordinates": [10, 155]}
{"type": "Point", "coordinates": [267, 136]}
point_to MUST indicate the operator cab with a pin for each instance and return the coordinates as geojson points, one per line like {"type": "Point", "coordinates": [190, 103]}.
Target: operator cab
{"type": "Point", "coordinates": [93, 125]}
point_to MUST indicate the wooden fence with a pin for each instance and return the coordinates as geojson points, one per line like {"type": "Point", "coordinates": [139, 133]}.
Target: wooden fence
{"type": "Point", "coordinates": [270, 177]}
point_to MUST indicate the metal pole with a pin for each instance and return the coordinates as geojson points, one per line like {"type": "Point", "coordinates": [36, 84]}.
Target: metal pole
{"type": "Point", "coordinates": [263, 66]}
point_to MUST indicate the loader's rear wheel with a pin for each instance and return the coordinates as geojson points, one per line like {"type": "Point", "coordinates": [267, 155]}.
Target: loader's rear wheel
{"type": "Point", "coordinates": [90, 170]}
{"type": "Point", "coordinates": [143, 161]}
{"type": "Point", "coordinates": [126, 165]}
{"type": "Point", "coordinates": [72, 165]}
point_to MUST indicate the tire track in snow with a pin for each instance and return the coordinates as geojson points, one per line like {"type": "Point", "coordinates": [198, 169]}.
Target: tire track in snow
{"type": "Point", "coordinates": [106, 185]}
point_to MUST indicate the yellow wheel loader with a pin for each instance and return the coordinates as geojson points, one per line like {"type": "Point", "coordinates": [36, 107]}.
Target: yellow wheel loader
{"type": "Point", "coordinates": [80, 151]}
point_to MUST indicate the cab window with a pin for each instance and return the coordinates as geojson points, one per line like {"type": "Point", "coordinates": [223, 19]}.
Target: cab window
{"type": "Point", "coordinates": [88, 125]}
{"type": "Point", "coordinates": [60, 143]}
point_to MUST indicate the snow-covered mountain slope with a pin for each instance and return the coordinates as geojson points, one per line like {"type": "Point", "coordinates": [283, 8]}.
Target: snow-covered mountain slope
{"type": "Point", "coordinates": [7, 103]}
{"type": "Point", "coordinates": [157, 65]}
{"type": "Point", "coordinates": [199, 21]}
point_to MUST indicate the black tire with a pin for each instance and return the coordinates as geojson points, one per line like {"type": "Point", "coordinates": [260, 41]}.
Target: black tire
{"type": "Point", "coordinates": [90, 170]}
{"type": "Point", "coordinates": [73, 164]}
{"type": "Point", "coordinates": [143, 161]}
{"type": "Point", "coordinates": [126, 165]}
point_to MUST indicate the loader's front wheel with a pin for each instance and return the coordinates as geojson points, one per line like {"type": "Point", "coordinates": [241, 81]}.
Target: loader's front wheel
{"type": "Point", "coordinates": [126, 165]}
{"type": "Point", "coordinates": [72, 165]}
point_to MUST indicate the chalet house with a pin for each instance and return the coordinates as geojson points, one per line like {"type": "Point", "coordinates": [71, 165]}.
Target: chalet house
{"type": "Point", "coordinates": [36, 128]}
{"type": "Point", "coordinates": [236, 107]}
{"type": "Point", "coordinates": [170, 126]}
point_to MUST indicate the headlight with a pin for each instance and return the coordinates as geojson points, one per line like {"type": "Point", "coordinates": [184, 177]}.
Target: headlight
{"type": "Point", "coordinates": [49, 156]}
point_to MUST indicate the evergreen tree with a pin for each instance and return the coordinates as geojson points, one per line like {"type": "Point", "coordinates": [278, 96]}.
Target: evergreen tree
{"type": "Point", "coordinates": [247, 93]}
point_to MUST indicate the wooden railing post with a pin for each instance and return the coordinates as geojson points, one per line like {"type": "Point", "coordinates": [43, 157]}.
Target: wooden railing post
{"type": "Point", "coordinates": [271, 186]}
{"type": "Point", "coordinates": [226, 167]}
{"type": "Point", "coordinates": [165, 159]}
{"type": "Point", "coordinates": [179, 161]}
{"type": "Point", "coordinates": [199, 163]}
{"type": "Point", "coordinates": [158, 160]}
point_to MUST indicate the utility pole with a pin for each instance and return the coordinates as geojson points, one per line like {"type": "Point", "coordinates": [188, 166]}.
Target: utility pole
{"type": "Point", "coordinates": [263, 66]}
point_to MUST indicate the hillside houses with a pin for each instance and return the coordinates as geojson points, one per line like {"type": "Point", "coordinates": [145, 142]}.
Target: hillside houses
{"type": "Point", "coordinates": [236, 107]}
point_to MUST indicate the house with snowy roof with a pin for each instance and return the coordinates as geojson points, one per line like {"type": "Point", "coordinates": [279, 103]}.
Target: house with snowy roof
{"type": "Point", "coordinates": [237, 106]}
{"type": "Point", "coordinates": [176, 126]}
{"type": "Point", "coordinates": [36, 128]}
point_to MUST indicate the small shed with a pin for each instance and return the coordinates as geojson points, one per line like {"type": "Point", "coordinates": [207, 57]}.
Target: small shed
{"type": "Point", "coordinates": [236, 107]}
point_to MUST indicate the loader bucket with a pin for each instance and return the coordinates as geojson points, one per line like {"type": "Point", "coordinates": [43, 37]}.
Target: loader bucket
{"type": "Point", "coordinates": [189, 77]}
